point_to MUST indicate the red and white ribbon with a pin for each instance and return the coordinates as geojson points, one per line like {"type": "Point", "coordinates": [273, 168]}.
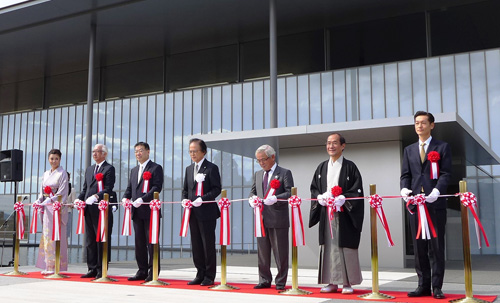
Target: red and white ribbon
{"type": "Point", "coordinates": [376, 203]}
{"type": "Point", "coordinates": [154, 221]}
{"type": "Point", "coordinates": [101, 226]}
{"type": "Point", "coordinates": [34, 218]}
{"type": "Point", "coordinates": [127, 218]}
{"type": "Point", "coordinates": [434, 157]}
{"type": "Point", "coordinates": [56, 221]}
{"type": "Point", "coordinates": [425, 226]}
{"type": "Point", "coordinates": [330, 209]}
{"type": "Point", "coordinates": [469, 200]}
{"type": "Point", "coordinates": [99, 177]}
{"type": "Point", "coordinates": [273, 186]}
{"type": "Point", "coordinates": [146, 176]}
{"type": "Point", "coordinates": [297, 223]}
{"type": "Point", "coordinates": [258, 221]}
{"type": "Point", "coordinates": [225, 227]}
{"type": "Point", "coordinates": [80, 227]}
{"type": "Point", "coordinates": [199, 178]}
{"type": "Point", "coordinates": [188, 204]}
{"type": "Point", "coordinates": [19, 208]}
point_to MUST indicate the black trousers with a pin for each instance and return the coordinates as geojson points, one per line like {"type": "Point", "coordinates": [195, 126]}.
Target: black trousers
{"type": "Point", "coordinates": [430, 254]}
{"type": "Point", "coordinates": [143, 249]}
{"type": "Point", "coordinates": [203, 247]}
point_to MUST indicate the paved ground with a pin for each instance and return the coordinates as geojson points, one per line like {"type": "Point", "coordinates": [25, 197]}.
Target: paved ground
{"type": "Point", "coordinates": [241, 269]}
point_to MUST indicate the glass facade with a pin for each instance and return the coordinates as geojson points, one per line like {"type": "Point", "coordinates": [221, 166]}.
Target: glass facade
{"type": "Point", "coordinates": [466, 83]}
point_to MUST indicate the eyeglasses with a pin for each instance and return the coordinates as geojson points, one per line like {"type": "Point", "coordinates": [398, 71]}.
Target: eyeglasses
{"type": "Point", "coordinates": [193, 151]}
{"type": "Point", "coordinates": [260, 161]}
{"type": "Point", "coordinates": [139, 151]}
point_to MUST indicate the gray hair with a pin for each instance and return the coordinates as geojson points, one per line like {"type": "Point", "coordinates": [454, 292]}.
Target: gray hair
{"type": "Point", "coordinates": [103, 147]}
{"type": "Point", "coordinates": [266, 149]}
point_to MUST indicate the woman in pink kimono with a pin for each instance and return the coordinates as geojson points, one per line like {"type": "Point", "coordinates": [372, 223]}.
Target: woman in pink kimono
{"type": "Point", "coordinates": [57, 179]}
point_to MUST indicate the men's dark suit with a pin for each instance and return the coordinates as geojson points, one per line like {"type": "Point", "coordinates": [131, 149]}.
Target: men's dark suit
{"type": "Point", "coordinates": [203, 219]}
{"type": "Point", "coordinates": [276, 224]}
{"type": "Point", "coordinates": [141, 215]}
{"type": "Point", "coordinates": [94, 249]}
{"type": "Point", "coordinates": [414, 176]}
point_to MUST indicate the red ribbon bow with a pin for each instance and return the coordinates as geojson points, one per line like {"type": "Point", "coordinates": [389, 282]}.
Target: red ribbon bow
{"type": "Point", "coordinates": [259, 229]}
{"type": "Point", "coordinates": [127, 218]}
{"type": "Point", "coordinates": [80, 206]}
{"type": "Point", "coordinates": [154, 221]}
{"type": "Point", "coordinates": [297, 223]}
{"type": "Point", "coordinates": [434, 157]}
{"type": "Point", "coordinates": [225, 227]}
{"type": "Point", "coordinates": [469, 200]}
{"type": "Point", "coordinates": [273, 186]}
{"type": "Point", "coordinates": [34, 220]}
{"type": "Point", "coordinates": [101, 230]}
{"type": "Point", "coordinates": [146, 176]}
{"type": "Point", "coordinates": [48, 190]}
{"type": "Point", "coordinates": [56, 223]}
{"type": "Point", "coordinates": [99, 177]}
{"type": "Point", "coordinates": [19, 208]}
{"type": "Point", "coordinates": [188, 204]}
{"type": "Point", "coordinates": [424, 219]}
{"type": "Point", "coordinates": [376, 203]}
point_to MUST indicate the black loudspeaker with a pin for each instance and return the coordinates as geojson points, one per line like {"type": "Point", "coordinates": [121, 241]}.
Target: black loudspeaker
{"type": "Point", "coordinates": [11, 165]}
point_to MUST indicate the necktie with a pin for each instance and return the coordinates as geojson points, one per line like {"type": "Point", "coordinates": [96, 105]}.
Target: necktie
{"type": "Point", "coordinates": [139, 175]}
{"type": "Point", "coordinates": [265, 182]}
{"type": "Point", "coordinates": [96, 169]}
{"type": "Point", "coordinates": [195, 171]}
{"type": "Point", "coordinates": [422, 153]}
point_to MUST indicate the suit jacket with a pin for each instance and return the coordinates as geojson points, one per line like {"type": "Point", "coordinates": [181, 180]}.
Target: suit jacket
{"type": "Point", "coordinates": [415, 174]}
{"type": "Point", "coordinates": [90, 183]}
{"type": "Point", "coordinates": [276, 215]}
{"type": "Point", "coordinates": [211, 189]}
{"type": "Point", "coordinates": [134, 189]}
{"type": "Point", "coordinates": [351, 219]}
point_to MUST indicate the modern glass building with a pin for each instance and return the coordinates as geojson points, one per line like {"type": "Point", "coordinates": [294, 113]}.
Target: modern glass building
{"type": "Point", "coordinates": [242, 73]}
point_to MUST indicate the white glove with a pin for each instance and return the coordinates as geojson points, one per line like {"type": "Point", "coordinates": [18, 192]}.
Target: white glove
{"type": "Point", "coordinates": [91, 200]}
{"type": "Point", "coordinates": [339, 200]}
{"type": "Point", "coordinates": [137, 202]}
{"type": "Point", "coordinates": [114, 208]}
{"type": "Point", "coordinates": [251, 201]}
{"type": "Point", "coordinates": [321, 200]}
{"type": "Point", "coordinates": [327, 194]}
{"type": "Point", "coordinates": [433, 196]}
{"type": "Point", "coordinates": [46, 201]}
{"type": "Point", "coordinates": [184, 202]}
{"type": "Point", "coordinates": [405, 192]}
{"type": "Point", "coordinates": [197, 202]}
{"type": "Point", "coordinates": [270, 200]}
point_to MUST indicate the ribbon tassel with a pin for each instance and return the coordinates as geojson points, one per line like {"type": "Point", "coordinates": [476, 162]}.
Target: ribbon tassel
{"type": "Point", "coordinates": [101, 226]}
{"type": "Point", "coordinates": [225, 227]}
{"type": "Point", "coordinates": [259, 229]}
{"type": "Point", "coordinates": [376, 202]}
{"type": "Point", "coordinates": [469, 200]}
{"type": "Point", "coordinates": [297, 222]}
{"type": "Point", "coordinates": [154, 221]}
{"type": "Point", "coordinates": [127, 218]}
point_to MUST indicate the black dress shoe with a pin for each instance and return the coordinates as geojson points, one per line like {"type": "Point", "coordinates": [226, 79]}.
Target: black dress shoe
{"type": "Point", "coordinates": [207, 282]}
{"type": "Point", "coordinates": [138, 277]}
{"type": "Point", "coordinates": [149, 278]}
{"type": "Point", "coordinates": [438, 294]}
{"type": "Point", "coordinates": [99, 275]}
{"type": "Point", "coordinates": [280, 287]}
{"type": "Point", "coordinates": [420, 292]}
{"type": "Point", "coordinates": [195, 281]}
{"type": "Point", "coordinates": [262, 285]}
{"type": "Point", "coordinates": [90, 274]}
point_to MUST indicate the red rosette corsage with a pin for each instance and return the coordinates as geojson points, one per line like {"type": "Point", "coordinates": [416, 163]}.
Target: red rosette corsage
{"type": "Point", "coordinates": [275, 184]}
{"type": "Point", "coordinates": [99, 177]}
{"type": "Point", "coordinates": [336, 191]}
{"type": "Point", "coordinates": [146, 175]}
{"type": "Point", "coordinates": [47, 190]}
{"type": "Point", "coordinates": [433, 156]}
{"type": "Point", "coordinates": [56, 206]}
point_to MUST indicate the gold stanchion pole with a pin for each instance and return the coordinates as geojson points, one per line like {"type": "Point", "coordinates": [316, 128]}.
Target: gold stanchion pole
{"type": "Point", "coordinates": [156, 256]}
{"type": "Point", "coordinates": [16, 271]}
{"type": "Point", "coordinates": [375, 294]}
{"type": "Point", "coordinates": [105, 244]}
{"type": "Point", "coordinates": [466, 248]}
{"type": "Point", "coordinates": [223, 263]}
{"type": "Point", "coordinates": [56, 274]}
{"type": "Point", "coordinates": [295, 290]}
